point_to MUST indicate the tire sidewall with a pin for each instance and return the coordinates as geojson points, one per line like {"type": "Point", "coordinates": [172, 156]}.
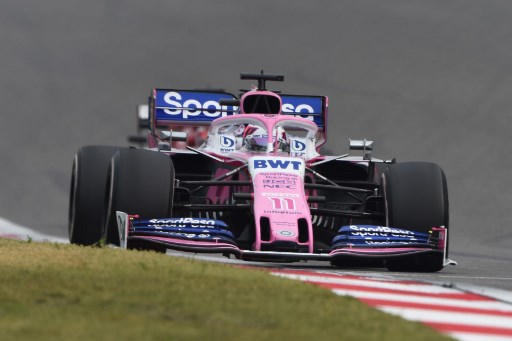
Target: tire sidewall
{"type": "Point", "coordinates": [87, 190]}
{"type": "Point", "coordinates": [140, 182]}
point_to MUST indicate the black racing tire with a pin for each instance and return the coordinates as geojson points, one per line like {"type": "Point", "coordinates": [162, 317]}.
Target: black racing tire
{"type": "Point", "coordinates": [416, 199]}
{"type": "Point", "coordinates": [87, 193]}
{"type": "Point", "coordinates": [140, 182]}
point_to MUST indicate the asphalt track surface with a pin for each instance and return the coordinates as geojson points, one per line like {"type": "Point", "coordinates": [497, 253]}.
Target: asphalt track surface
{"type": "Point", "coordinates": [426, 80]}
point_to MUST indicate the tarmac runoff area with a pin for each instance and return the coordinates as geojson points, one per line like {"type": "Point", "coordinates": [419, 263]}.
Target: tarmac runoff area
{"type": "Point", "coordinates": [11, 230]}
{"type": "Point", "coordinates": [465, 313]}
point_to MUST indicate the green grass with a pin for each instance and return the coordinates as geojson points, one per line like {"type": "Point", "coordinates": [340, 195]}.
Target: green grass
{"type": "Point", "coordinates": [63, 292]}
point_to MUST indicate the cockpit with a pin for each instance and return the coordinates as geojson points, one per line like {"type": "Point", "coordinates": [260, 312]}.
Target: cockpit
{"type": "Point", "coordinates": [249, 134]}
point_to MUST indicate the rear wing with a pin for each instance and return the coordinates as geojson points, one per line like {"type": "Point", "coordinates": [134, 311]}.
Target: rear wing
{"type": "Point", "coordinates": [171, 107]}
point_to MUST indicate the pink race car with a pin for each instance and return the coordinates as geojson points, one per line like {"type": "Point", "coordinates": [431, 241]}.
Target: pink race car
{"type": "Point", "coordinates": [258, 187]}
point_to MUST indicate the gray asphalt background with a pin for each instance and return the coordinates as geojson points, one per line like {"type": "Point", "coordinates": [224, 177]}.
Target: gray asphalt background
{"type": "Point", "coordinates": [426, 80]}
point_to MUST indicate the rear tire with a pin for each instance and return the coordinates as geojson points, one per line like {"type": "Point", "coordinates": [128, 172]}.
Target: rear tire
{"type": "Point", "coordinates": [87, 193]}
{"type": "Point", "coordinates": [140, 182]}
{"type": "Point", "coordinates": [416, 199]}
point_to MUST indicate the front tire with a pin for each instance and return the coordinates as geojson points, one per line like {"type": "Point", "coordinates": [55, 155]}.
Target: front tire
{"type": "Point", "coordinates": [416, 199]}
{"type": "Point", "coordinates": [140, 182]}
{"type": "Point", "coordinates": [87, 192]}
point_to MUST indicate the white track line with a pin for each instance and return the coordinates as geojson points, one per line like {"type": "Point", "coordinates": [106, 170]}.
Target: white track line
{"type": "Point", "coordinates": [479, 337]}
{"type": "Point", "coordinates": [414, 288]}
{"type": "Point", "coordinates": [456, 318]}
{"type": "Point", "coordinates": [445, 302]}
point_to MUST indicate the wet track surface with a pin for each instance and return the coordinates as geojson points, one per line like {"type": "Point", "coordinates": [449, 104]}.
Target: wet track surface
{"type": "Point", "coordinates": [426, 80]}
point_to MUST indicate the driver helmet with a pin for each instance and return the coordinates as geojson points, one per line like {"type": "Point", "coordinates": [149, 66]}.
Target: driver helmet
{"type": "Point", "coordinates": [256, 139]}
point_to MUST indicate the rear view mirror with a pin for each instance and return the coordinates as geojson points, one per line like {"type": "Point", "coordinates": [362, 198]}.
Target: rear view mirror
{"type": "Point", "coordinates": [361, 145]}
{"type": "Point", "coordinates": [364, 145]}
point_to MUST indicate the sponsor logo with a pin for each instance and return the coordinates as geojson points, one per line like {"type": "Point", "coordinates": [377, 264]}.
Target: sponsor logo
{"type": "Point", "coordinates": [183, 221]}
{"type": "Point", "coordinates": [279, 186]}
{"type": "Point", "coordinates": [190, 235]}
{"type": "Point", "coordinates": [284, 223]}
{"type": "Point", "coordinates": [299, 109]}
{"type": "Point", "coordinates": [386, 243]}
{"type": "Point", "coordinates": [379, 229]}
{"type": "Point", "coordinates": [204, 106]}
{"type": "Point", "coordinates": [227, 144]}
{"type": "Point", "coordinates": [298, 146]}
{"type": "Point", "coordinates": [306, 107]}
{"type": "Point", "coordinates": [276, 164]}
{"type": "Point", "coordinates": [276, 167]}
{"type": "Point", "coordinates": [191, 107]}
{"type": "Point", "coordinates": [288, 195]}
{"type": "Point", "coordinates": [270, 183]}
{"type": "Point", "coordinates": [281, 212]}
{"type": "Point", "coordinates": [376, 234]}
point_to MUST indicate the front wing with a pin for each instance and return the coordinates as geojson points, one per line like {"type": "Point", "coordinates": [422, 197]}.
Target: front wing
{"type": "Point", "coordinates": [208, 236]}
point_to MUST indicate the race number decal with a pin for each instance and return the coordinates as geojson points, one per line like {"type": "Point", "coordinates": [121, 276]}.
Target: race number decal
{"type": "Point", "coordinates": [287, 204]}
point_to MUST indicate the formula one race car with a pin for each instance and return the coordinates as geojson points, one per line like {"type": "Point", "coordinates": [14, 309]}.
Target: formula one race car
{"type": "Point", "coordinates": [258, 188]}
